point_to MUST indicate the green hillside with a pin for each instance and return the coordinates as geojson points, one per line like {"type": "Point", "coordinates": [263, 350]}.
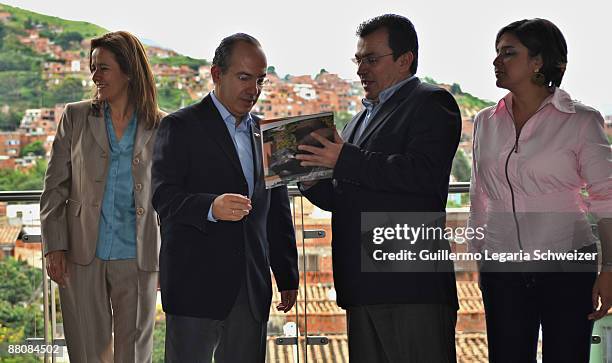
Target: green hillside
{"type": "Point", "coordinates": [20, 19]}
{"type": "Point", "coordinates": [22, 83]}
{"type": "Point", "coordinates": [469, 104]}
{"type": "Point", "coordinates": [180, 60]}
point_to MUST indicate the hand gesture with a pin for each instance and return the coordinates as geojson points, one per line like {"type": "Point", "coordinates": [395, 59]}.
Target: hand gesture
{"type": "Point", "coordinates": [57, 269]}
{"type": "Point", "coordinates": [231, 207]}
{"type": "Point", "coordinates": [602, 290]}
{"type": "Point", "coordinates": [288, 298]}
{"type": "Point", "coordinates": [326, 156]}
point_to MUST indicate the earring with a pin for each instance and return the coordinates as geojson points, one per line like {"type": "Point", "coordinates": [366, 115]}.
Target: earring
{"type": "Point", "coordinates": [538, 78]}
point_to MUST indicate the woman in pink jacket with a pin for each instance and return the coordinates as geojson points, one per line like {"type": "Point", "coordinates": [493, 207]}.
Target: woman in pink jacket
{"type": "Point", "coordinates": [534, 152]}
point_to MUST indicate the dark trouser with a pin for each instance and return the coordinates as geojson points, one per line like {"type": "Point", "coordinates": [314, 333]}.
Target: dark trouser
{"type": "Point", "coordinates": [238, 338]}
{"type": "Point", "coordinates": [517, 303]}
{"type": "Point", "coordinates": [406, 333]}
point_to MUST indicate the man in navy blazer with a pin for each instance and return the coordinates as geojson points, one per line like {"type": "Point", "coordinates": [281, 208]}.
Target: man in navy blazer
{"type": "Point", "coordinates": [397, 158]}
{"type": "Point", "coordinates": [221, 229]}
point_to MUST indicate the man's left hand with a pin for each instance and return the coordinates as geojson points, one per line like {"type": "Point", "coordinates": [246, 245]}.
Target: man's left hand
{"type": "Point", "coordinates": [602, 290]}
{"type": "Point", "coordinates": [288, 298]}
{"type": "Point", "coordinates": [321, 156]}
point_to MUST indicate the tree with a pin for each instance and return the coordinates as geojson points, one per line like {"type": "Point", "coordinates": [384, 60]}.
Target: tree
{"type": "Point", "coordinates": [171, 98]}
{"type": "Point", "coordinates": [455, 89]}
{"type": "Point", "coordinates": [17, 281]}
{"type": "Point", "coordinates": [180, 60]}
{"type": "Point", "coordinates": [69, 90]}
{"type": "Point", "coordinates": [13, 60]}
{"type": "Point", "coordinates": [159, 337]}
{"type": "Point", "coordinates": [271, 70]}
{"type": "Point", "coordinates": [28, 23]}
{"type": "Point", "coordinates": [341, 119]}
{"type": "Point", "coordinates": [2, 34]}
{"type": "Point", "coordinates": [429, 80]}
{"type": "Point", "coordinates": [20, 299]}
{"type": "Point", "coordinates": [21, 89]}
{"type": "Point", "coordinates": [19, 180]}
{"type": "Point", "coordinates": [45, 33]}
{"type": "Point", "coordinates": [461, 169]}
{"type": "Point", "coordinates": [36, 148]}
{"type": "Point", "coordinates": [9, 121]}
{"type": "Point", "coordinates": [67, 40]}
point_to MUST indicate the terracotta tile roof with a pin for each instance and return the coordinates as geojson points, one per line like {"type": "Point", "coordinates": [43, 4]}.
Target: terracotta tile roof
{"type": "Point", "coordinates": [471, 347]}
{"type": "Point", "coordinates": [314, 307]}
{"type": "Point", "coordinates": [318, 303]}
{"type": "Point", "coordinates": [336, 351]}
{"type": "Point", "coordinates": [9, 233]}
{"type": "Point", "coordinates": [470, 299]}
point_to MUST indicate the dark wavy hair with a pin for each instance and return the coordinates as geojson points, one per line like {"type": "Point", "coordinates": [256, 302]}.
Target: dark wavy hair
{"type": "Point", "coordinates": [402, 35]}
{"type": "Point", "coordinates": [541, 37]}
{"type": "Point", "coordinates": [132, 58]}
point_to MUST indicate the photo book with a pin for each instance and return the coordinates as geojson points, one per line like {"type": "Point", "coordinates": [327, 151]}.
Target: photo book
{"type": "Point", "coordinates": [280, 140]}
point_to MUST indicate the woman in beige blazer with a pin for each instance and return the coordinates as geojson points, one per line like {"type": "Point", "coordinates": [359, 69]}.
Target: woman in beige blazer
{"type": "Point", "coordinates": [99, 230]}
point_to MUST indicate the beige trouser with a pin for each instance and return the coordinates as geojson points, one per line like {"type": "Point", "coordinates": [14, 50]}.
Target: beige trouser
{"type": "Point", "coordinates": [107, 297]}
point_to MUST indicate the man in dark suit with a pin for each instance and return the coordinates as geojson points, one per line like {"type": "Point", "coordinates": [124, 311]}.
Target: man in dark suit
{"type": "Point", "coordinates": [221, 229]}
{"type": "Point", "coordinates": [397, 157]}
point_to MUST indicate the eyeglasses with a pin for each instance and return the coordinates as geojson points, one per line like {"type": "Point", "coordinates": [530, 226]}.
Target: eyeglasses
{"type": "Point", "coordinates": [369, 60]}
{"type": "Point", "coordinates": [261, 82]}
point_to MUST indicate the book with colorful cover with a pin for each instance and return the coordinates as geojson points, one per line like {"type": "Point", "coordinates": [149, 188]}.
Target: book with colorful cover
{"type": "Point", "coordinates": [280, 139]}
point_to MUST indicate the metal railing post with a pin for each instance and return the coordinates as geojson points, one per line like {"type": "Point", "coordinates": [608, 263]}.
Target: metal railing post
{"type": "Point", "coordinates": [45, 304]}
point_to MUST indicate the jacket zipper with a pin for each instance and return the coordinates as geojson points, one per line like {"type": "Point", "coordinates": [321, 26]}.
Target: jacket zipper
{"type": "Point", "coordinates": [515, 149]}
{"type": "Point", "coordinates": [518, 230]}
{"type": "Point", "coordinates": [516, 223]}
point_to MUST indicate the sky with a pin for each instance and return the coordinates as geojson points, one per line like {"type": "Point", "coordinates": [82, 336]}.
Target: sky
{"type": "Point", "coordinates": [456, 38]}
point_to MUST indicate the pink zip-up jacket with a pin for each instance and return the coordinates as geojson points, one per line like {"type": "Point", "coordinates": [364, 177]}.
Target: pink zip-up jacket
{"type": "Point", "coordinates": [526, 189]}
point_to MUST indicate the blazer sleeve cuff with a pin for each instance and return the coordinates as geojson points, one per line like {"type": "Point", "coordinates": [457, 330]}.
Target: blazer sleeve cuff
{"type": "Point", "coordinates": [287, 282]}
{"type": "Point", "coordinates": [348, 164]}
{"type": "Point", "coordinates": [54, 240]}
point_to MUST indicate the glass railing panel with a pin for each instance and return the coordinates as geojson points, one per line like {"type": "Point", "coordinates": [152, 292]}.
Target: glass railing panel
{"type": "Point", "coordinates": [315, 315]}
{"type": "Point", "coordinates": [22, 323]}
{"type": "Point", "coordinates": [470, 330]}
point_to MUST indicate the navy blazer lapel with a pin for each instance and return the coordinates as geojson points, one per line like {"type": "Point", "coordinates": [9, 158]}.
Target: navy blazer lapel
{"type": "Point", "coordinates": [388, 107]}
{"type": "Point", "coordinates": [211, 119]}
{"type": "Point", "coordinates": [257, 157]}
{"type": "Point", "coordinates": [349, 129]}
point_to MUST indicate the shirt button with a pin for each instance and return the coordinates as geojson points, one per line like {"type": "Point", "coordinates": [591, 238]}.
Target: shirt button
{"type": "Point", "coordinates": [138, 187]}
{"type": "Point", "coordinates": [140, 211]}
{"type": "Point", "coordinates": [136, 161]}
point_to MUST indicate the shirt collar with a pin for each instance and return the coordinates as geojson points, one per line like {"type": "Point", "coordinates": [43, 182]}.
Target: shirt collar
{"type": "Point", "coordinates": [228, 117]}
{"type": "Point", "coordinates": [560, 100]}
{"type": "Point", "coordinates": [385, 94]}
